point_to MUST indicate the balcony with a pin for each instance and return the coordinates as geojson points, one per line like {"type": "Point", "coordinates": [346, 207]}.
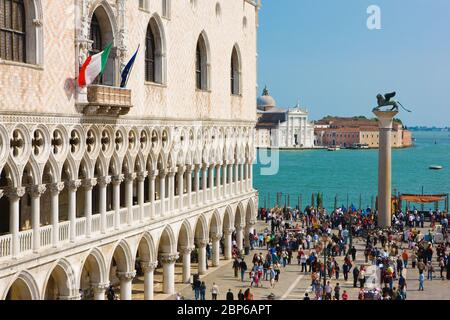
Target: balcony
{"type": "Point", "coordinates": [106, 100]}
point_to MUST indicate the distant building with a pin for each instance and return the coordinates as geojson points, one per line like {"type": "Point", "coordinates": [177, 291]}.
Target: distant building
{"type": "Point", "coordinates": [282, 128]}
{"type": "Point", "coordinates": [347, 132]}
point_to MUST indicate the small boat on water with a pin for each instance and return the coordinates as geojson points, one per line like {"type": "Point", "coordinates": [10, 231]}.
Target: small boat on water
{"type": "Point", "coordinates": [436, 167]}
{"type": "Point", "coordinates": [334, 148]}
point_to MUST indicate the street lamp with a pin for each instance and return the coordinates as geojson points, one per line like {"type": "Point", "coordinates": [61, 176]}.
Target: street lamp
{"type": "Point", "coordinates": [325, 243]}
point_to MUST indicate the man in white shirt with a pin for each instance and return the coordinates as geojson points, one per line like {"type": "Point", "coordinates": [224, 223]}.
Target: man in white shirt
{"type": "Point", "coordinates": [214, 291]}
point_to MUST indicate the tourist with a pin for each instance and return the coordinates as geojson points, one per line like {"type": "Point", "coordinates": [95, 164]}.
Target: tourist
{"type": "Point", "coordinates": [362, 277]}
{"type": "Point", "coordinates": [248, 295]}
{"type": "Point", "coordinates": [110, 294]}
{"type": "Point", "coordinates": [345, 295]}
{"type": "Point", "coordinates": [337, 292]}
{"type": "Point", "coordinates": [328, 291]}
{"type": "Point", "coordinates": [214, 291]}
{"type": "Point", "coordinates": [196, 286]}
{"type": "Point", "coordinates": [179, 296]}
{"type": "Point", "coordinates": [203, 291]}
{"type": "Point", "coordinates": [430, 270]}
{"type": "Point", "coordinates": [236, 266]}
{"type": "Point", "coordinates": [355, 276]}
{"type": "Point", "coordinates": [241, 295]}
{"type": "Point", "coordinates": [421, 266]}
{"type": "Point", "coordinates": [306, 298]}
{"type": "Point", "coordinates": [421, 281]}
{"type": "Point", "coordinates": [243, 268]}
{"type": "Point", "coordinates": [230, 295]}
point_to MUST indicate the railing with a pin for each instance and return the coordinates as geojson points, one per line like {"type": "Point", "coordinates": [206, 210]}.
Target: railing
{"type": "Point", "coordinates": [186, 200]}
{"type": "Point", "coordinates": [147, 209]}
{"type": "Point", "coordinates": [46, 235]}
{"type": "Point", "coordinates": [64, 231]}
{"type": "Point", "coordinates": [123, 215]}
{"type": "Point", "coordinates": [95, 223]}
{"type": "Point", "coordinates": [80, 227]}
{"type": "Point", "coordinates": [136, 213]}
{"type": "Point", "coordinates": [157, 212]}
{"type": "Point", "coordinates": [108, 100]}
{"type": "Point", "coordinates": [26, 240]}
{"type": "Point", "coordinates": [176, 204]}
{"type": "Point", "coordinates": [5, 245]}
{"type": "Point", "coordinates": [110, 220]}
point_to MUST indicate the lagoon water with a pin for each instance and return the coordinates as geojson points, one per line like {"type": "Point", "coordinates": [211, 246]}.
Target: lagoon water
{"type": "Point", "coordinates": [354, 172]}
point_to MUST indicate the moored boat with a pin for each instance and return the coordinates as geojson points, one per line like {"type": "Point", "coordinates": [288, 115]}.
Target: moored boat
{"type": "Point", "coordinates": [434, 167]}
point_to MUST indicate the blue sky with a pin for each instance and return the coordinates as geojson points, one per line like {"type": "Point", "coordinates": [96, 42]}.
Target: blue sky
{"type": "Point", "coordinates": [321, 52]}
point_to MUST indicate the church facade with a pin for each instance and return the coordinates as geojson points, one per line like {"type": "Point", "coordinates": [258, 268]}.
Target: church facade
{"type": "Point", "coordinates": [110, 185]}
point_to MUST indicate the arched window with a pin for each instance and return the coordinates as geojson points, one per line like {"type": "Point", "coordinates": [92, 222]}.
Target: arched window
{"type": "Point", "coordinates": [235, 73]}
{"type": "Point", "coordinates": [96, 35]}
{"type": "Point", "coordinates": [149, 55]}
{"type": "Point", "coordinates": [154, 52]}
{"type": "Point", "coordinates": [12, 30]}
{"type": "Point", "coordinates": [201, 65]}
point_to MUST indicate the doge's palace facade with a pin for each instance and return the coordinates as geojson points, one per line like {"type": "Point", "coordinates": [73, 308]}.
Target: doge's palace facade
{"type": "Point", "coordinates": [104, 185]}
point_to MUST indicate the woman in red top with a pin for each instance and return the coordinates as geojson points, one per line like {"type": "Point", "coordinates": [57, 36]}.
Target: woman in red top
{"type": "Point", "coordinates": [345, 295]}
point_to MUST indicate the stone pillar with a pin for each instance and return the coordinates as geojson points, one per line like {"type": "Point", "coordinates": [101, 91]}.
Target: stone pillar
{"type": "Point", "coordinates": [211, 182]}
{"type": "Point", "coordinates": [218, 185]}
{"type": "Point", "coordinates": [241, 182]}
{"type": "Point", "coordinates": [385, 119]}
{"type": "Point", "coordinates": [149, 269]}
{"type": "Point", "coordinates": [55, 189]}
{"type": "Point", "coordinates": [250, 176]}
{"type": "Point", "coordinates": [126, 284]}
{"type": "Point", "coordinates": [204, 183]}
{"type": "Point", "coordinates": [186, 264]}
{"type": "Point", "coordinates": [197, 184]}
{"type": "Point", "coordinates": [202, 256]}
{"type": "Point", "coordinates": [72, 187]}
{"type": "Point", "coordinates": [14, 195]}
{"type": "Point", "coordinates": [235, 183]}
{"type": "Point", "coordinates": [162, 191]}
{"type": "Point", "coordinates": [88, 185]}
{"type": "Point", "coordinates": [225, 176]}
{"type": "Point", "coordinates": [35, 193]}
{"type": "Point", "coordinates": [116, 181]}
{"type": "Point", "coordinates": [141, 179]}
{"type": "Point", "coordinates": [172, 190]}
{"type": "Point", "coordinates": [168, 262]}
{"type": "Point", "coordinates": [216, 249]}
{"type": "Point", "coordinates": [189, 185]}
{"type": "Point", "coordinates": [239, 237]}
{"type": "Point", "coordinates": [180, 180]}
{"type": "Point", "coordinates": [99, 290]}
{"type": "Point", "coordinates": [153, 174]}
{"type": "Point", "coordinates": [129, 178]}
{"type": "Point", "coordinates": [102, 184]}
{"type": "Point", "coordinates": [228, 244]}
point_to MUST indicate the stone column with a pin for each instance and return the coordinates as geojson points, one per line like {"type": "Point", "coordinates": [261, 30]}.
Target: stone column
{"type": "Point", "coordinates": [189, 185]}
{"type": "Point", "coordinates": [250, 176]}
{"type": "Point", "coordinates": [14, 195]}
{"type": "Point", "coordinates": [171, 190]}
{"type": "Point", "coordinates": [180, 180]}
{"type": "Point", "coordinates": [225, 176]}
{"type": "Point", "coordinates": [228, 244]}
{"type": "Point", "coordinates": [197, 184]}
{"type": "Point", "coordinates": [88, 185]}
{"type": "Point", "coordinates": [129, 178]}
{"type": "Point", "coordinates": [55, 189]}
{"type": "Point", "coordinates": [236, 182]}
{"type": "Point", "coordinates": [216, 249]}
{"type": "Point", "coordinates": [168, 262]}
{"type": "Point", "coordinates": [116, 181]}
{"type": "Point", "coordinates": [141, 179]}
{"type": "Point", "coordinates": [126, 284]}
{"type": "Point", "coordinates": [385, 119]}
{"type": "Point", "coordinates": [239, 237]}
{"type": "Point", "coordinates": [204, 183]}
{"type": "Point", "coordinates": [35, 193]}
{"type": "Point", "coordinates": [99, 290]}
{"type": "Point", "coordinates": [211, 182]}
{"type": "Point", "coordinates": [186, 264]}
{"type": "Point", "coordinates": [241, 182]}
{"type": "Point", "coordinates": [202, 256]}
{"type": "Point", "coordinates": [102, 184]}
{"type": "Point", "coordinates": [218, 185]}
{"type": "Point", "coordinates": [162, 191]}
{"type": "Point", "coordinates": [149, 269]}
{"type": "Point", "coordinates": [72, 187]}
{"type": "Point", "coordinates": [153, 174]}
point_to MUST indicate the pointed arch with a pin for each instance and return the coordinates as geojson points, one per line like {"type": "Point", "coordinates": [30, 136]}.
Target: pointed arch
{"type": "Point", "coordinates": [22, 287]}
{"type": "Point", "coordinates": [236, 71]}
{"type": "Point", "coordinates": [155, 51]}
{"type": "Point", "coordinates": [167, 241]}
{"type": "Point", "coordinates": [123, 257]}
{"type": "Point", "coordinates": [146, 248]}
{"type": "Point", "coordinates": [60, 281]}
{"type": "Point", "coordinates": [203, 63]}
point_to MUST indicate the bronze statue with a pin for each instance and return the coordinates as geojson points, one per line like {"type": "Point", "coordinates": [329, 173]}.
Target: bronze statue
{"type": "Point", "coordinates": [384, 101]}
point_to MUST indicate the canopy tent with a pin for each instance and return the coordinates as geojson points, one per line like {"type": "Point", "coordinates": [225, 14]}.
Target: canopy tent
{"type": "Point", "coordinates": [420, 198]}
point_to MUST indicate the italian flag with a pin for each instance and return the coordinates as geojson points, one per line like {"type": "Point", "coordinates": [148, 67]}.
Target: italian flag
{"type": "Point", "coordinates": [93, 66]}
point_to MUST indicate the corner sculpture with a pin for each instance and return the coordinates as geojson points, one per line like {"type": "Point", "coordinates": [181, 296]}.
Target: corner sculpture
{"type": "Point", "coordinates": [385, 101]}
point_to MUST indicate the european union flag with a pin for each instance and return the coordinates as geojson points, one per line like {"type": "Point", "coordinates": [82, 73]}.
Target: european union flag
{"type": "Point", "coordinates": [127, 70]}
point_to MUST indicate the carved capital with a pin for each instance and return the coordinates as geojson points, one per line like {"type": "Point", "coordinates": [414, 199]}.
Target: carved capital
{"type": "Point", "coordinates": [36, 191]}
{"type": "Point", "coordinates": [181, 170]}
{"type": "Point", "coordinates": [100, 287]}
{"type": "Point", "coordinates": [73, 185]}
{"type": "Point", "coordinates": [148, 266]}
{"type": "Point", "coordinates": [104, 181]}
{"type": "Point", "coordinates": [88, 184]}
{"type": "Point", "coordinates": [129, 177]}
{"type": "Point", "coordinates": [170, 258]}
{"type": "Point", "coordinates": [163, 173]}
{"type": "Point", "coordinates": [203, 243]}
{"type": "Point", "coordinates": [187, 250]}
{"type": "Point", "coordinates": [126, 275]}
{"type": "Point", "coordinates": [190, 168]}
{"type": "Point", "coordinates": [153, 174]}
{"type": "Point", "coordinates": [216, 237]}
{"type": "Point", "coordinates": [15, 193]}
{"type": "Point", "coordinates": [56, 188]}
{"type": "Point", "coordinates": [229, 231]}
{"type": "Point", "coordinates": [141, 176]}
{"type": "Point", "coordinates": [117, 180]}
{"type": "Point", "coordinates": [73, 297]}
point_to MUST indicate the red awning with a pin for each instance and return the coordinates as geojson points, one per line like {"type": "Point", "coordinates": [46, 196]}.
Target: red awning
{"type": "Point", "coordinates": [422, 198]}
